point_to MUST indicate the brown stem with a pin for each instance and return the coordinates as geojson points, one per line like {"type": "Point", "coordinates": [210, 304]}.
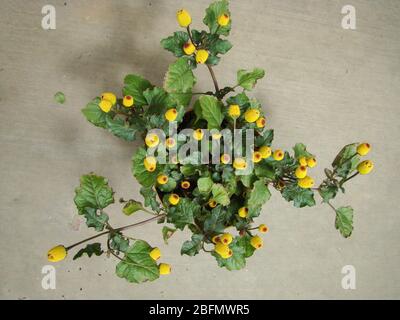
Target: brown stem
{"type": "Point", "coordinates": [213, 78]}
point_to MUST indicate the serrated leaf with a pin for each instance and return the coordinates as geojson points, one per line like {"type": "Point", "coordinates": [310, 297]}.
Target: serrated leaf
{"type": "Point", "coordinates": [131, 207]}
{"type": "Point", "coordinates": [328, 192]}
{"type": "Point", "coordinates": [237, 261]}
{"type": "Point", "coordinates": [150, 198]}
{"type": "Point", "coordinates": [119, 243]}
{"type": "Point", "coordinates": [94, 218]}
{"type": "Point", "coordinates": [258, 195]}
{"type": "Point", "coordinates": [175, 43]}
{"type": "Point", "coordinates": [211, 111]}
{"type": "Point", "coordinates": [220, 47]}
{"type": "Point", "coordinates": [220, 195]}
{"type": "Point", "coordinates": [135, 86]}
{"type": "Point", "coordinates": [137, 265]}
{"type": "Point", "coordinates": [90, 249]}
{"type": "Point", "coordinates": [193, 246]}
{"type": "Point", "coordinates": [167, 233]}
{"type": "Point", "coordinates": [215, 223]}
{"type": "Point", "coordinates": [215, 10]}
{"type": "Point", "coordinates": [344, 221]}
{"type": "Point", "coordinates": [183, 214]}
{"type": "Point", "coordinates": [248, 79]}
{"type": "Point", "coordinates": [179, 78]}
{"type": "Point", "coordinates": [121, 128]}
{"type": "Point", "coordinates": [300, 197]}
{"type": "Point", "coordinates": [145, 178]}
{"type": "Point", "coordinates": [94, 114]}
{"type": "Point", "coordinates": [156, 100]}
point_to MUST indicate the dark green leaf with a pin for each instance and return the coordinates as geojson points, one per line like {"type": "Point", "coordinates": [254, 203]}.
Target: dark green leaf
{"type": "Point", "coordinates": [145, 178]}
{"type": "Point", "coordinates": [167, 233]}
{"type": "Point", "coordinates": [344, 221]}
{"type": "Point", "coordinates": [328, 192]}
{"type": "Point", "coordinates": [300, 197]}
{"type": "Point", "coordinates": [119, 243]}
{"type": "Point", "coordinates": [90, 249]}
{"type": "Point", "coordinates": [150, 198]}
{"type": "Point", "coordinates": [265, 139]}
{"type": "Point", "coordinates": [184, 213]}
{"type": "Point", "coordinates": [192, 247]}
{"type": "Point", "coordinates": [135, 86]}
{"type": "Point", "coordinates": [215, 223]}
{"type": "Point", "coordinates": [94, 114]}
{"type": "Point", "coordinates": [248, 79]}
{"type": "Point", "coordinates": [215, 10]}
{"type": "Point", "coordinates": [121, 128]}
{"type": "Point", "coordinates": [175, 43]}
{"type": "Point", "coordinates": [237, 261]}
{"type": "Point", "coordinates": [300, 150]}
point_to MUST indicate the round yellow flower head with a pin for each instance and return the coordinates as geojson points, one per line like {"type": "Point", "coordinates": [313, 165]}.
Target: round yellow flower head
{"type": "Point", "coordinates": [173, 199]}
{"type": "Point", "coordinates": [150, 163]}
{"type": "Point", "coordinates": [225, 158]}
{"type": "Point", "coordinates": [311, 162]}
{"type": "Point", "coordinates": [365, 167]}
{"type": "Point", "coordinates": [239, 163]}
{"type": "Point", "coordinates": [263, 228]}
{"type": "Point", "coordinates": [201, 56]}
{"type": "Point", "coordinates": [128, 101]}
{"type": "Point", "coordinates": [171, 115]}
{"type": "Point", "coordinates": [363, 149]}
{"type": "Point", "coordinates": [256, 242]}
{"type": "Point", "coordinates": [303, 161]}
{"type": "Point", "coordinates": [278, 155]}
{"type": "Point", "coordinates": [223, 20]}
{"type": "Point", "coordinates": [185, 185]}
{"type": "Point", "coordinates": [234, 111]}
{"type": "Point", "coordinates": [223, 250]}
{"type": "Point", "coordinates": [226, 239]}
{"type": "Point", "coordinates": [110, 97]}
{"type": "Point", "coordinates": [216, 239]}
{"type": "Point", "coordinates": [212, 203]}
{"type": "Point", "coordinates": [184, 18]}
{"type": "Point", "coordinates": [105, 105]}
{"type": "Point", "coordinates": [261, 122]}
{"type": "Point", "coordinates": [252, 115]}
{"type": "Point", "coordinates": [243, 212]}
{"type": "Point", "coordinates": [301, 172]}
{"type": "Point", "coordinates": [189, 48]}
{"type": "Point", "coordinates": [306, 182]}
{"type": "Point", "coordinates": [170, 143]}
{"type": "Point", "coordinates": [226, 254]}
{"type": "Point", "coordinates": [257, 156]}
{"type": "Point", "coordinates": [216, 136]}
{"type": "Point", "coordinates": [198, 134]}
{"type": "Point", "coordinates": [152, 140]}
{"type": "Point", "coordinates": [155, 254]}
{"type": "Point", "coordinates": [164, 268]}
{"type": "Point", "coordinates": [57, 253]}
{"type": "Point", "coordinates": [265, 152]}
{"type": "Point", "coordinates": [162, 179]}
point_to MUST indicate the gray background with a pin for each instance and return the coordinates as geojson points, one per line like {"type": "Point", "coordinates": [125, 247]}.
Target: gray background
{"type": "Point", "coordinates": [325, 86]}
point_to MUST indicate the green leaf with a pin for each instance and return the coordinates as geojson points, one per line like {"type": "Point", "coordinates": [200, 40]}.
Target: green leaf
{"type": "Point", "coordinates": [247, 180]}
{"type": "Point", "coordinates": [94, 218]}
{"type": "Point", "coordinates": [265, 170]}
{"type": "Point", "coordinates": [150, 198]}
{"type": "Point", "coordinates": [167, 233]}
{"type": "Point", "coordinates": [121, 128]}
{"type": "Point", "coordinates": [244, 242]}
{"type": "Point", "coordinates": [131, 207]}
{"type": "Point", "coordinates": [90, 249]}
{"type": "Point", "coordinates": [215, 223]}
{"type": "Point", "coordinates": [59, 97]}
{"type": "Point", "coordinates": [175, 43]}
{"type": "Point", "coordinates": [211, 111]}
{"type": "Point", "coordinates": [248, 79]}
{"type": "Point", "coordinates": [145, 178]}
{"type": "Point", "coordinates": [179, 78]}
{"type": "Point", "coordinates": [183, 214]}
{"type": "Point", "coordinates": [220, 47]}
{"type": "Point", "coordinates": [265, 139]}
{"type": "Point", "coordinates": [300, 197]}
{"type": "Point", "coordinates": [300, 150]}
{"type": "Point", "coordinates": [328, 192]}
{"type": "Point", "coordinates": [135, 86]}
{"type": "Point", "coordinates": [192, 247]}
{"type": "Point", "coordinates": [216, 9]}
{"type": "Point", "coordinates": [94, 114]}
{"type": "Point", "coordinates": [220, 195]}
{"type": "Point", "coordinates": [119, 243]}
{"type": "Point", "coordinates": [237, 261]}
{"type": "Point", "coordinates": [204, 185]}
{"type": "Point", "coordinates": [156, 100]}
{"type": "Point", "coordinates": [346, 161]}
{"type": "Point", "coordinates": [137, 265]}
{"type": "Point", "coordinates": [259, 194]}
{"type": "Point", "coordinates": [344, 221]}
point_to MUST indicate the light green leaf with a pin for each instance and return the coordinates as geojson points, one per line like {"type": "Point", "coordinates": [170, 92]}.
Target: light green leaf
{"type": "Point", "coordinates": [135, 86]}
{"type": "Point", "coordinates": [237, 261]}
{"type": "Point", "coordinates": [300, 150]}
{"type": "Point", "coordinates": [90, 249]}
{"type": "Point", "coordinates": [145, 178]}
{"type": "Point", "coordinates": [204, 185]}
{"type": "Point", "coordinates": [220, 195]}
{"type": "Point", "coordinates": [248, 79]}
{"type": "Point", "coordinates": [258, 195]}
{"type": "Point", "coordinates": [220, 47]}
{"type": "Point", "coordinates": [211, 111]}
{"type": "Point", "coordinates": [179, 78]}
{"type": "Point", "coordinates": [59, 97]}
{"type": "Point", "coordinates": [192, 247]}
{"type": "Point", "coordinates": [119, 243]}
{"type": "Point", "coordinates": [328, 192]}
{"type": "Point", "coordinates": [167, 233]}
{"type": "Point", "coordinates": [344, 221]}
{"type": "Point", "coordinates": [94, 114]}
{"type": "Point", "coordinates": [215, 10]}
{"type": "Point", "coordinates": [175, 43]}
{"type": "Point", "coordinates": [131, 207]}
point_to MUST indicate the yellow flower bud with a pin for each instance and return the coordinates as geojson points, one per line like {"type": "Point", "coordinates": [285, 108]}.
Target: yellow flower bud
{"type": "Point", "coordinates": [201, 56]}
{"type": "Point", "coordinates": [216, 239]}
{"type": "Point", "coordinates": [301, 172]}
{"type": "Point", "coordinates": [303, 161]}
{"type": "Point", "coordinates": [306, 182]}
{"type": "Point", "coordinates": [189, 48]}
{"type": "Point", "coordinates": [257, 156]}
{"type": "Point", "coordinates": [164, 268]}
{"type": "Point", "coordinates": [171, 115]}
{"type": "Point", "coordinates": [152, 140]}
{"type": "Point", "coordinates": [256, 242]}
{"type": "Point", "coordinates": [225, 158]}
{"type": "Point", "coordinates": [155, 254]}
{"type": "Point", "coordinates": [110, 97]}
{"type": "Point", "coordinates": [234, 111]}
{"type": "Point", "coordinates": [223, 20]}
{"type": "Point", "coordinates": [223, 250]}
{"type": "Point", "coordinates": [261, 122]}
{"type": "Point", "coordinates": [278, 155]}
{"type": "Point", "coordinates": [212, 203]}
{"type": "Point", "coordinates": [363, 149]}
{"type": "Point", "coordinates": [184, 18]}
{"type": "Point", "coordinates": [365, 167]}
{"type": "Point", "coordinates": [265, 152]}
{"type": "Point", "coordinates": [311, 162]}
{"type": "Point", "coordinates": [226, 239]}
{"type": "Point", "coordinates": [105, 105]}
{"type": "Point", "coordinates": [173, 199]}
{"type": "Point", "coordinates": [128, 101]}
{"type": "Point", "coordinates": [150, 163]}
{"type": "Point", "coordinates": [243, 212]}
{"type": "Point", "coordinates": [226, 254]}
{"type": "Point", "coordinates": [185, 185]}
{"type": "Point", "coordinates": [252, 115]}
{"type": "Point", "coordinates": [57, 253]}
{"type": "Point", "coordinates": [162, 179]}
{"type": "Point", "coordinates": [198, 134]}
{"type": "Point", "coordinates": [170, 143]}
{"type": "Point", "coordinates": [239, 163]}
{"type": "Point", "coordinates": [263, 228]}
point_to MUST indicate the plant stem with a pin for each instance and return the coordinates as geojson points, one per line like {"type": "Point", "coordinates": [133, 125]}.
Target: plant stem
{"type": "Point", "coordinates": [190, 36]}
{"type": "Point", "coordinates": [348, 178]}
{"type": "Point", "coordinates": [213, 78]}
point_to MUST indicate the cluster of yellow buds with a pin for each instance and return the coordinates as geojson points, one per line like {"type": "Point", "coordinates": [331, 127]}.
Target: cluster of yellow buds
{"type": "Point", "coordinates": [222, 243]}
{"type": "Point", "coordinates": [365, 166]}
{"type": "Point", "coordinates": [303, 180]}
{"type": "Point", "coordinates": [109, 99]}
{"type": "Point", "coordinates": [164, 268]}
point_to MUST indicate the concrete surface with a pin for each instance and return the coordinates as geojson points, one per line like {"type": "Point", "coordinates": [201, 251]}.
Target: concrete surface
{"type": "Point", "coordinates": [325, 86]}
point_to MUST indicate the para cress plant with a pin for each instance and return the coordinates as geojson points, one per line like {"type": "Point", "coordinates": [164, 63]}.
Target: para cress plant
{"type": "Point", "coordinates": [207, 199]}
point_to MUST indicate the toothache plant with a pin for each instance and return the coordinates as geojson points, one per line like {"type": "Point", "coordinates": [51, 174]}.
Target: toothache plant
{"type": "Point", "coordinates": [206, 198]}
